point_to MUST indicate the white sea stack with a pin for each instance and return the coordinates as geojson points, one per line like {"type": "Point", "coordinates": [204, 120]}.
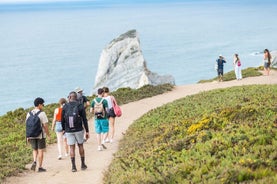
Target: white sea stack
{"type": "Point", "coordinates": [274, 59]}
{"type": "Point", "coordinates": [122, 64]}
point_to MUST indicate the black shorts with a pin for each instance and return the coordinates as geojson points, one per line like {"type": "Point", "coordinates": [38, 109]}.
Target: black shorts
{"type": "Point", "coordinates": [111, 113]}
{"type": "Point", "coordinates": [38, 143]}
{"type": "Point", "coordinates": [220, 72]}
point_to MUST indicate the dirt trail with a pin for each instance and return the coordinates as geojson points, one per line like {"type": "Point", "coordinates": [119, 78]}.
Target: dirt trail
{"type": "Point", "coordinates": [59, 171]}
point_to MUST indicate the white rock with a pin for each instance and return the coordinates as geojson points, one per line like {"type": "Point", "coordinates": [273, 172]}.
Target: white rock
{"type": "Point", "coordinates": [122, 64]}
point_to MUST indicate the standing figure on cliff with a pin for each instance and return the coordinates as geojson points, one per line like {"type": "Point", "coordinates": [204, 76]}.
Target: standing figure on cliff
{"type": "Point", "coordinates": [237, 67]}
{"type": "Point", "coordinates": [267, 61]}
{"type": "Point", "coordinates": [36, 131]}
{"type": "Point", "coordinates": [73, 120]}
{"type": "Point", "coordinates": [220, 62]}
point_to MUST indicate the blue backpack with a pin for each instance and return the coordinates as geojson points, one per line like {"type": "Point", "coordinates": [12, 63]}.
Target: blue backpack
{"type": "Point", "coordinates": [33, 125]}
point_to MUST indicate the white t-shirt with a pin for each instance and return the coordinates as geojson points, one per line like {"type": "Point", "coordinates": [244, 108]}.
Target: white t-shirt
{"type": "Point", "coordinates": [109, 100]}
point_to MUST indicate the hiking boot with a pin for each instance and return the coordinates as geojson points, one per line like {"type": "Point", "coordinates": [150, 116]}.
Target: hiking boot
{"type": "Point", "coordinates": [41, 169]}
{"type": "Point", "coordinates": [84, 167]}
{"type": "Point", "coordinates": [74, 169]}
{"type": "Point", "coordinates": [33, 167]}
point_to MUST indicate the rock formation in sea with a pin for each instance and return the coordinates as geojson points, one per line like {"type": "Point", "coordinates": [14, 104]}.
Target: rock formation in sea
{"type": "Point", "coordinates": [122, 64]}
{"type": "Point", "coordinates": [274, 59]}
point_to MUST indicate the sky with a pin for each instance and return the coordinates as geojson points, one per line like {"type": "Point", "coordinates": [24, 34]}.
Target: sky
{"type": "Point", "coordinates": [38, 1]}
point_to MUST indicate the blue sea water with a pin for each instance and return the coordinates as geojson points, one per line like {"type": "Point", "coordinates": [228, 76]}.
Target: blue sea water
{"type": "Point", "coordinates": [48, 49]}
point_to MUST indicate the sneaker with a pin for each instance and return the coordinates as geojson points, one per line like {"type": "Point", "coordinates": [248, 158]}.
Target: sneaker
{"type": "Point", "coordinates": [66, 155]}
{"type": "Point", "coordinates": [104, 146]}
{"type": "Point", "coordinates": [33, 167]}
{"type": "Point", "coordinates": [74, 169]}
{"type": "Point", "coordinates": [99, 148]}
{"type": "Point", "coordinates": [59, 157]}
{"type": "Point", "coordinates": [111, 141]}
{"type": "Point", "coordinates": [41, 169]}
{"type": "Point", "coordinates": [106, 141]}
{"type": "Point", "coordinates": [84, 167]}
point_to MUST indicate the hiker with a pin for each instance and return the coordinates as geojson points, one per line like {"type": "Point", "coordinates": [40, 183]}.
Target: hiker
{"type": "Point", "coordinates": [267, 61]}
{"type": "Point", "coordinates": [81, 98]}
{"type": "Point", "coordinates": [99, 106]}
{"type": "Point", "coordinates": [237, 67]}
{"type": "Point", "coordinates": [110, 114]}
{"type": "Point", "coordinates": [57, 127]}
{"type": "Point", "coordinates": [73, 120]}
{"type": "Point", "coordinates": [38, 142]}
{"type": "Point", "coordinates": [220, 61]}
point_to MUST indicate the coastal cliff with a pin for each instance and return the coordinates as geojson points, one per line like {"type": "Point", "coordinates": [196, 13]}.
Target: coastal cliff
{"type": "Point", "coordinates": [122, 64]}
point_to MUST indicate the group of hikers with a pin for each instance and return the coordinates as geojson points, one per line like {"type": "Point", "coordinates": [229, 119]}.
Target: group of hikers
{"type": "Point", "coordinates": [237, 65]}
{"type": "Point", "coordinates": [71, 125]}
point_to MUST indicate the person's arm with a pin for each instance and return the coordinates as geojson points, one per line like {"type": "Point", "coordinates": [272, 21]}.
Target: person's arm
{"type": "Point", "coordinates": [85, 121]}
{"type": "Point", "coordinates": [86, 102]}
{"type": "Point", "coordinates": [44, 121]}
{"type": "Point", "coordinates": [54, 119]}
{"type": "Point", "coordinates": [63, 118]}
{"type": "Point", "coordinates": [45, 126]}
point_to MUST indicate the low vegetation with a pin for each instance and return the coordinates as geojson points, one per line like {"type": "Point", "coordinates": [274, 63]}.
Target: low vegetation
{"type": "Point", "coordinates": [15, 153]}
{"type": "Point", "coordinates": [248, 72]}
{"type": "Point", "coordinates": [221, 136]}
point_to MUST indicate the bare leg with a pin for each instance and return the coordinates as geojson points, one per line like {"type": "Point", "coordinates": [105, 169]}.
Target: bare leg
{"type": "Point", "coordinates": [59, 143]}
{"type": "Point", "coordinates": [35, 154]}
{"type": "Point", "coordinates": [40, 157]}
{"type": "Point", "coordinates": [111, 128]}
{"type": "Point", "coordinates": [66, 147]}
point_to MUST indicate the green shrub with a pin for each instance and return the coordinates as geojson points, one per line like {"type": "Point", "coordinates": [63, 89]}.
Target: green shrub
{"type": "Point", "coordinates": [248, 72]}
{"type": "Point", "coordinates": [15, 153]}
{"type": "Point", "coordinates": [220, 136]}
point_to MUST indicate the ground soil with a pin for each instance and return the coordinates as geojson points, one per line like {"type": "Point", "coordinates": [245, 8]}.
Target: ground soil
{"type": "Point", "coordinates": [59, 171]}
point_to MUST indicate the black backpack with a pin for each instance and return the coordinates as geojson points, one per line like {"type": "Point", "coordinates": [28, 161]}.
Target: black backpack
{"type": "Point", "coordinates": [72, 115]}
{"type": "Point", "coordinates": [80, 98]}
{"type": "Point", "coordinates": [33, 125]}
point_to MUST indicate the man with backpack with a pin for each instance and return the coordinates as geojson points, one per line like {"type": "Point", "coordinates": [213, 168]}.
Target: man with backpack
{"type": "Point", "coordinates": [100, 107]}
{"type": "Point", "coordinates": [73, 120]}
{"type": "Point", "coordinates": [81, 98]}
{"type": "Point", "coordinates": [36, 131]}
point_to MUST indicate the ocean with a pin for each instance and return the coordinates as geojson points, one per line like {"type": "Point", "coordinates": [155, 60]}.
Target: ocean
{"type": "Point", "coordinates": [49, 49]}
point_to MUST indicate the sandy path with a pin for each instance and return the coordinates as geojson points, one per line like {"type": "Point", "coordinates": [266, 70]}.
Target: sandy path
{"type": "Point", "coordinates": [59, 171]}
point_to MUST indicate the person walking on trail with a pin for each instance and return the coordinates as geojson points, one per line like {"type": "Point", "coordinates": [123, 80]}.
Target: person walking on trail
{"type": "Point", "coordinates": [38, 143]}
{"type": "Point", "coordinates": [220, 65]}
{"type": "Point", "coordinates": [267, 61]}
{"type": "Point", "coordinates": [237, 67]}
{"type": "Point", "coordinates": [110, 114]}
{"type": "Point", "coordinates": [81, 98]}
{"type": "Point", "coordinates": [57, 127]}
{"type": "Point", "coordinates": [73, 120]}
{"type": "Point", "coordinates": [99, 106]}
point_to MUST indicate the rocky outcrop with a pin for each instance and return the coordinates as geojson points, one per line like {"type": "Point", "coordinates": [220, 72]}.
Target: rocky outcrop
{"type": "Point", "coordinates": [122, 64]}
{"type": "Point", "coordinates": [274, 59]}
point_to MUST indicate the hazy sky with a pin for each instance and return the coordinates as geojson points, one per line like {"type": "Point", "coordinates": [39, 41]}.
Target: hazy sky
{"type": "Point", "coordinates": [38, 1]}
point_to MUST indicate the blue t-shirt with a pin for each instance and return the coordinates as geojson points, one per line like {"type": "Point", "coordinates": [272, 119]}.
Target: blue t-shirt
{"type": "Point", "coordinates": [220, 63]}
